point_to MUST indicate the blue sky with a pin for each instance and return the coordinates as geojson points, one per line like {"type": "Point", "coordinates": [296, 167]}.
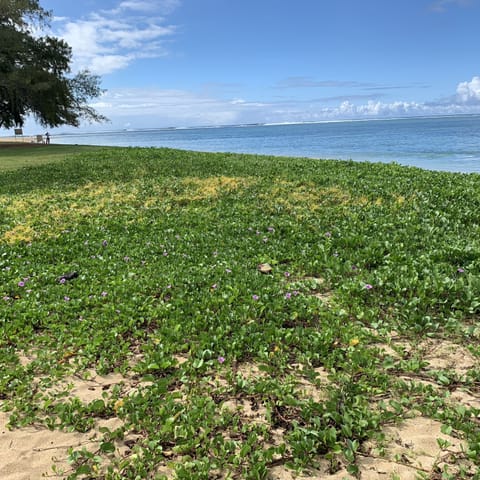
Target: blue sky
{"type": "Point", "coordinates": [203, 62]}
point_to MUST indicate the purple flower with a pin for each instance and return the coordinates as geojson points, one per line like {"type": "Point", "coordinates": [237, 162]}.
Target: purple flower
{"type": "Point", "coordinates": [368, 286]}
{"type": "Point", "coordinates": [21, 283]}
{"type": "Point", "coordinates": [214, 286]}
{"type": "Point", "coordinates": [460, 270]}
{"type": "Point", "coordinates": [271, 229]}
{"type": "Point", "coordinates": [288, 295]}
{"type": "Point", "coordinates": [328, 234]}
{"type": "Point", "coordinates": [287, 274]}
{"type": "Point", "coordinates": [104, 294]}
{"type": "Point", "coordinates": [296, 292]}
{"type": "Point", "coordinates": [354, 267]}
{"type": "Point", "coordinates": [6, 298]}
{"type": "Point", "coordinates": [62, 280]}
{"type": "Point", "coordinates": [255, 297]}
{"type": "Point", "coordinates": [221, 359]}
{"type": "Point", "coordinates": [67, 299]}
{"type": "Point", "coordinates": [104, 243]}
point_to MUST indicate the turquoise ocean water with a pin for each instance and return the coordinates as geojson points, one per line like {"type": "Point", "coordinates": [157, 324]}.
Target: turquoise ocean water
{"type": "Point", "coordinates": [435, 143]}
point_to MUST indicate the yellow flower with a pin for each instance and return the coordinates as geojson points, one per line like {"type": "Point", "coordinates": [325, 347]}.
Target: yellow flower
{"type": "Point", "coordinates": [275, 350]}
{"type": "Point", "coordinates": [354, 341]}
{"type": "Point", "coordinates": [118, 405]}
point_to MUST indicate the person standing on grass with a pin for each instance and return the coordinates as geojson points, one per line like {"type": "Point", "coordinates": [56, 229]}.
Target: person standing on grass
{"type": "Point", "coordinates": [47, 138]}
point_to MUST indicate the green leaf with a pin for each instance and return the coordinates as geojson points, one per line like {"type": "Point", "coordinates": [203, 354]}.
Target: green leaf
{"type": "Point", "coordinates": [107, 447]}
{"type": "Point", "coordinates": [446, 429]}
{"type": "Point", "coordinates": [83, 470]}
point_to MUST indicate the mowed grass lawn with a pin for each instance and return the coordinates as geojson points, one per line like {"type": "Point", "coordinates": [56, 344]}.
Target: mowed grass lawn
{"type": "Point", "coordinates": [253, 315]}
{"type": "Point", "coordinates": [18, 155]}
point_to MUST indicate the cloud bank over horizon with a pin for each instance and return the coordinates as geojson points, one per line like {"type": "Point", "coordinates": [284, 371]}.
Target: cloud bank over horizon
{"type": "Point", "coordinates": [152, 107]}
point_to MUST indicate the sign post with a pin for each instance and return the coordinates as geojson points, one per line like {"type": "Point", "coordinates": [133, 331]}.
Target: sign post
{"type": "Point", "coordinates": [18, 131]}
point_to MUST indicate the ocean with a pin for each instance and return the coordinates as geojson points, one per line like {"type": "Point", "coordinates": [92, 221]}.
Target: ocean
{"type": "Point", "coordinates": [449, 143]}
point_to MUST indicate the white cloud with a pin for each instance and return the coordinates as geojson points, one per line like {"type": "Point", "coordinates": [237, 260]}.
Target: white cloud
{"type": "Point", "coordinates": [154, 107]}
{"type": "Point", "coordinates": [380, 109]}
{"type": "Point", "coordinates": [307, 82]}
{"type": "Point", "coordinates": [157, 107]}
{"type": "Point", "coordinates": [163, 6]}
{"type": "Point", "coordinates": [466, 100]}
{"type": "Point", "coordinates": [137, 5]}
{"type": "Point", "coordinates": [103, 64]}
{"type": "Point", "coordinates": [441, 6]}
{"type": "Point", "coordinates": [345, 110]}
{"type": "Point", "coordinates": [108, 41]}
{"type": "Point", "coordinates": [469, 92]}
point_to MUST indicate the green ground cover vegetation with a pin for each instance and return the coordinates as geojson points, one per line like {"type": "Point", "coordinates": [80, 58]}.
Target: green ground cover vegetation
{"type": "Point", "coordinates": [221, 281]}
{"type": "Point", "coordinates": [14, 156]}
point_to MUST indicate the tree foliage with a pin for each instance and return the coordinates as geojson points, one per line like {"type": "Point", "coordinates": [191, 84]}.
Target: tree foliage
{"type": "Point", "coordinates": [35, 71]}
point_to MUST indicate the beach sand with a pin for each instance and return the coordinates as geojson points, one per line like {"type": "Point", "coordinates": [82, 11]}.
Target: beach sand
{"type": "Point", "coordinates": [29, 453]}
{"type": "Point", "coordinates": [21, 140]}
{"type": "Point", "coordinates": [412, 447]}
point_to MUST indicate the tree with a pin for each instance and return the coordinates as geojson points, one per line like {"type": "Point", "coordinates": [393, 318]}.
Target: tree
{"type": "Point", "coordinates": [35, 72]}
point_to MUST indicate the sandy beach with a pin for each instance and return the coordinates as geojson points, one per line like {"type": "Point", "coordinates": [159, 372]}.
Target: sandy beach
{"type": "Point", "coordinates": [409, 449]}
{"type": "Point", "coordinates": [27, 139]}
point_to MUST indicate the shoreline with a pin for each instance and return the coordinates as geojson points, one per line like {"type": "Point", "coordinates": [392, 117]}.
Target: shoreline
{"type": "Point", "coordinates": [260, 124]}
{"type": "Point", "coordinates": [27, 139]}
